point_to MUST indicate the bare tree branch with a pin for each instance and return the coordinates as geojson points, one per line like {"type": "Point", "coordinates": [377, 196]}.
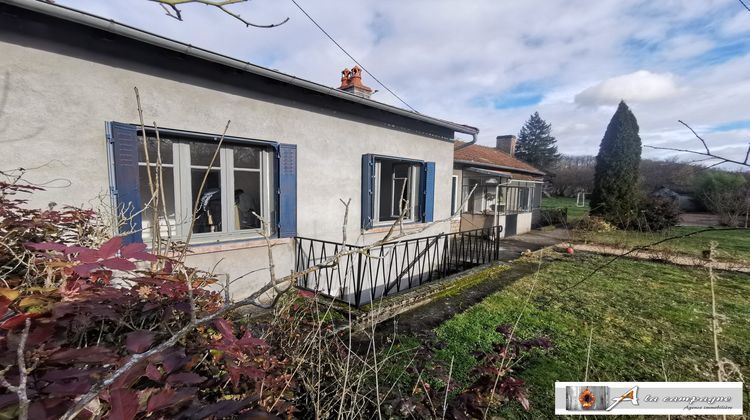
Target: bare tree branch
{"type": "Point", "coordinates": [171, 9]}
{"type": "Point", "coordinates": [155, 219]}
{"type": "Point", "coordinates": [23, 374]}
{"type": "Point", "coordinates": [696, 135]}
{"type": "Point", "coordinates": [264, 230]}
{"type": "Point", "coordinates": [708, 154]}
{"type": "Point", "coordinates": [346, 217]}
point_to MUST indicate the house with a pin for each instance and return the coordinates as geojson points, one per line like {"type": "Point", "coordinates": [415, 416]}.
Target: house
{"type": "Point", "coordinates": [685, 202]}
{"type": "Point", "coordinates": [293, 151]}
{"type": "Point", "coordinates": [507, 192]}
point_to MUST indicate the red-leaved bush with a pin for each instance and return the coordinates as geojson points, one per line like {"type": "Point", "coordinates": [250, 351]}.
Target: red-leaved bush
{"type": "Point", "coordinates": [92, 307]}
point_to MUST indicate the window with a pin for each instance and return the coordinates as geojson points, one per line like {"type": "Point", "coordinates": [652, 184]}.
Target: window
{"type": "Point", "coordinates": [396, 190]}
{"type": "Point", "coordinates": [488, 196]}
{"type": "Point", "coordinates": [497, 195]}
{"type": "Point", "coordinates": [520, 196]}
{"type": "Point", "coordinates": [537, 200]}
{"type": "Point", "coordinates": [237, 186]}
{"type": "Point", "coordinates": [393, 186]}
{"type": "Point", "coordinates": [523, 199]}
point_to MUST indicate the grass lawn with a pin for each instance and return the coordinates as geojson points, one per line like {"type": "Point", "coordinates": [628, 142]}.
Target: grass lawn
{"type": "Point", "coordinates": [650, 321]}
{"type": "Point", "coordinates": [574, 213]}
{"type": "Point", "coordinates": [734, 245]}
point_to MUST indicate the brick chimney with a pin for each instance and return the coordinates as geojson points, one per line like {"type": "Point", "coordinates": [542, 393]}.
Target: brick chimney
{"type": "Point", "coordinates": [351, 81]}
{"type": "Point", "coordinates": [507, 144]}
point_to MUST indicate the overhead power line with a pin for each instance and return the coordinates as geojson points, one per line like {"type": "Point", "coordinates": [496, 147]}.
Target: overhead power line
{"type": "Point", "coordinates": [353, 59]}
{"type": "Point", "coordinates": [746, 6]}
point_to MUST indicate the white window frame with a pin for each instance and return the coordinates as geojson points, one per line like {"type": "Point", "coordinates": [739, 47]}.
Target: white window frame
{"type": "Point", "coordinates": [516, 187]}
{"type": "Point", "coordinates": [184, 201]}
{"type": "Point", "coordinates": [455, 193]}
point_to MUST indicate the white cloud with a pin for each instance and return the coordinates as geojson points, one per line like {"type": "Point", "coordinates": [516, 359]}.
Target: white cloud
{"type": "Point", "coordinates": [685, 46]}
{"type": "Point", "coordinates": [739, 24]}
{"type": "Point", "coordinates": [640, 86]}
{"type": "Point", "coordinates": [440, 55]}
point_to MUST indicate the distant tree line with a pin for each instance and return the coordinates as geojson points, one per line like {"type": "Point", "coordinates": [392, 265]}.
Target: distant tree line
{"type": "Point", "coordinates": [575, 174]}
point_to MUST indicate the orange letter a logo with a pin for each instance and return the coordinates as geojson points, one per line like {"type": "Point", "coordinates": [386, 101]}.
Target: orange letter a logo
{"type": "Point", "coordinates": [631, 395]}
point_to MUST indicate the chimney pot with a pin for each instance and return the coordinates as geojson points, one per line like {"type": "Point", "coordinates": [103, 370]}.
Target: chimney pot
{"type": "Point", "coordinates": [351, 81]}
{"type": "Point", "coordinates": [507, 144]}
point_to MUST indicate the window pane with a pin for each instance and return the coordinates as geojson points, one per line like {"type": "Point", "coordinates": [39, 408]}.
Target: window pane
{"type": "Point", "coordinates": [246, 157]}
{"type": "Point", "coordinates": [167, 226]}
{"type": "Point", "coordinates": [396, 190]}
{"type": "Point", "coordinates": [166, 150]}
{"type": "Point", "coordinates": [415, 181]}
{"type": "Point", "coordinates": [475, 202]}
{"type": "Point", "coordinates": [202, 153]}
{"type": "Point", "coordinates": [208, 217]}
{"type": "Point", "coordinates": [247, 193]}
{"type": "Point", "coordinates": [524, 199]}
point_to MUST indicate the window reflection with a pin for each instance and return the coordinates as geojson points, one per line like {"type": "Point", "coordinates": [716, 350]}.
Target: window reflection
{"type": "Point", "coordinates": [208, 217]}
{"type": "Point", "coordinates": [246, 157]}
{"type": "Point", "coordinates": [246, 200]}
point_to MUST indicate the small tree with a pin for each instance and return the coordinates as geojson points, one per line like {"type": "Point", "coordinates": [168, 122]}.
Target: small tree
{"type": "Point", "coordinates": [615, 196]}
{"type": "Point", "coordinates": [536, 145]}
{"type": "Point", "coordinates": [726, 194]}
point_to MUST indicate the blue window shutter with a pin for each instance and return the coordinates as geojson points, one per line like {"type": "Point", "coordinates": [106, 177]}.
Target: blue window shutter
{"type": "Point", "coordinates": [368, 190]}
{"type": "Point", "coordinates": [123, 139]}
{"type": "Point", "coordinates": [429, 191]}
{"type": "Point", "coordinates": [287, 190]}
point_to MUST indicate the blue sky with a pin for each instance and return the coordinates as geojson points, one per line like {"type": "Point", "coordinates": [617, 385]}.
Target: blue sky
{"type": "Point", "coordinates": [491, 64]}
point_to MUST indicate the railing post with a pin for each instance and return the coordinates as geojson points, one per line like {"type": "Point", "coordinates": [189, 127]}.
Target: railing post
{"type": "Point", "coordinates": [497, 242]}
{"type": "Point", "coordinates": [445, 259]}
{"type": "Point", "coordinates": [298, 257]}
{"type": "Point", "coordinates": [358, 281]}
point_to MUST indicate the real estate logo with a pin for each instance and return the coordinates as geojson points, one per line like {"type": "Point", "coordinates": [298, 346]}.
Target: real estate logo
{"type": "Point", "coordinates": [597, 398]}
{"type": "Point", "coordinates": [623, 398]}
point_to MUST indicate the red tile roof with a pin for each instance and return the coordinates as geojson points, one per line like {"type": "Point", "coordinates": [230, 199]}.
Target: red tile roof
{"type": "Point", "coordinates": [483, 155]}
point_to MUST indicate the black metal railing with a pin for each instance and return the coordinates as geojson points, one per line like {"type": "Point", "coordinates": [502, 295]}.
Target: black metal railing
{"type": "Point", "coordinates": [359, 274]}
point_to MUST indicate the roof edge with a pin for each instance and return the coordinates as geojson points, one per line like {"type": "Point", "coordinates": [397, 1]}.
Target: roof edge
{"type": "Point", "coordinates": [507, 168]}
{"type": "Point", "coordinates": [112, 26]}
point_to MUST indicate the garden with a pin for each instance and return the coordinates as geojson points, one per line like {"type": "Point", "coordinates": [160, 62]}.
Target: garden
{"type": "Point", "coordinates": [646, 321]}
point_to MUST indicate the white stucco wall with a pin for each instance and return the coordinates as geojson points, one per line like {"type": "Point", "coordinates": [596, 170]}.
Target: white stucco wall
{"type": "Point", "coordinates": [54, 107]}
{"type": "Point", "coordinates": [524, 223]}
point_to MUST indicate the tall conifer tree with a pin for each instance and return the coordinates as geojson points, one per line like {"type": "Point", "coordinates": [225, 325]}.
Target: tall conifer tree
{"type": "Point", "coordinates": [615, 195]}
{"type": "Point", "coordinates": [536, 145]}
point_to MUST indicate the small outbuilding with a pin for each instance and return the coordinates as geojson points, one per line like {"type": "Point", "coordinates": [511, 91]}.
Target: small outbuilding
{"type": "Point", "coordinates": [501, 189]}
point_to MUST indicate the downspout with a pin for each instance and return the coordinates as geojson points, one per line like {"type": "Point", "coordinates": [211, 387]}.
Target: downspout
{"type": "Point", "coordinates": [473, 140]}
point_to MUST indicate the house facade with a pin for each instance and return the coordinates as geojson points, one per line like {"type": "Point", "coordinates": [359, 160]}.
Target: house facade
{"type": "Point", "coordinates": [497, 188]}
{"type": "Point", "coordinates": [294, 149]}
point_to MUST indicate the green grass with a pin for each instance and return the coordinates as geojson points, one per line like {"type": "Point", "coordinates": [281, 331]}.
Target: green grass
{"type": "Point", "coordinates": [458, 286]}
{"type": "Point", "coordinates": [734, 245]}
{"type": "Point", "coordinates": [574, 213]}
{"type": "Point", "coordinates": [644, 314]}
